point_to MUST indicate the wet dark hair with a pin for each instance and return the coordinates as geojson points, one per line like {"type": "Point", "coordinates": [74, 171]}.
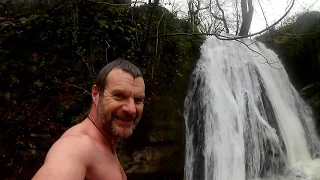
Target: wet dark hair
{"type": "Point", "coordinates": [116, 64]}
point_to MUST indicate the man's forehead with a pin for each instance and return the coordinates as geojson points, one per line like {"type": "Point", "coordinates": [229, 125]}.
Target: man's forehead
{"type": "Point", "coordinates": [118, 75]}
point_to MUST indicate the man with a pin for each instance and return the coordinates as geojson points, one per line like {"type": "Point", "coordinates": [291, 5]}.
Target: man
{"type": "Point", "coordinates": [87, 150]}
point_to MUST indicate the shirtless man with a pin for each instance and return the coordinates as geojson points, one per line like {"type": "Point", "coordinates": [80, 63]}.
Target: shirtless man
{"type": "Point", "coordinates": [87, 150]}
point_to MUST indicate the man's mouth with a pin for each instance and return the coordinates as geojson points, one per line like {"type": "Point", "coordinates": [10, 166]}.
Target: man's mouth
{"type": "Point", "coordinates": [124, 118]}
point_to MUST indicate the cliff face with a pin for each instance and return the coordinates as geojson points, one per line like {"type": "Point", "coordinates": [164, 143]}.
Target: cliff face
{"type": "Point", "coordinates": [49, 61]}
{"type": "Point", "coordinates": [312, 94]}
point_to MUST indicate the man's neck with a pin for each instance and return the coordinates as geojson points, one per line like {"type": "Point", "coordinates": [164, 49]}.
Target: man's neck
{"type": "Point", "coordinates": [107, 139]}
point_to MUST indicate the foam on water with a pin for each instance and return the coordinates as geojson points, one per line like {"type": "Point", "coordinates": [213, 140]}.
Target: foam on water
{"type": "Point", "coordinates": [244, 119]}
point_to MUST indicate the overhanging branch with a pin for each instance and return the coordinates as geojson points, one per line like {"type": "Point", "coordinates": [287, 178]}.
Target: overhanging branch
{"type": "Point", "coordinates": [222, 37]}
{"type": "Point", "coordinates": [267, 61]}
{"type": "Point", "coordinates": [112, 4]}
{"type": "Point", "coordinates": [71, 85]}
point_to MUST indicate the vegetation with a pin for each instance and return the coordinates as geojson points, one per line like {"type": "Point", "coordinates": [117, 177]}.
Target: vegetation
{"type": "Point", "coordinates": [298, 45]}
{"type": "Point", "coordinates": [51, 53]}
{"type": "Point", "coordinates": [49, 59]}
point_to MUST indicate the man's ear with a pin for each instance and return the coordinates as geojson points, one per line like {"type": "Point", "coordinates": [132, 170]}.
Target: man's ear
{"type": "Point", "coordinates": [95, 94]}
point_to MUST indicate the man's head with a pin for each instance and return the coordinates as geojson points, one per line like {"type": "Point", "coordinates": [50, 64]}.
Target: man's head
{"type": "Point", "coordinates": [118, 98]}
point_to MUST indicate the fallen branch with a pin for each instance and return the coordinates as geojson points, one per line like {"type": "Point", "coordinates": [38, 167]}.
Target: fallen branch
{"type": "Point", "coordinates": [107, 51]}
{"type": "Point", "coordinates": [112, 4]}
{"type": "Point", "coordinates": [157, 44]}
{"type": "Point", "coordinates": [71, 85]}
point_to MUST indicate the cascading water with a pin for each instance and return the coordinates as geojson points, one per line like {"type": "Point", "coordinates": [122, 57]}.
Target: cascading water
{"type": "Point", "coordinates": [245, 120]}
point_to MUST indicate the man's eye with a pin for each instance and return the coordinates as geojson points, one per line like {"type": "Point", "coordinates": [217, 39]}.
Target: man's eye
{"type": "Point", "coordinates": [138, 100]}
{"type": "Point", "coordinates": [118, 96]}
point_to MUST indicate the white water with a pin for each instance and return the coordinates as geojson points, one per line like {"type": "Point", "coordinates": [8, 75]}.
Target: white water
{"type": "Point", "coordinates": [245, 120]}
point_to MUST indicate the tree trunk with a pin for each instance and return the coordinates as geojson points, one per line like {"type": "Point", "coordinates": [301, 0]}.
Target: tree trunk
{"type": "Point", "coordinates": [246, 17]}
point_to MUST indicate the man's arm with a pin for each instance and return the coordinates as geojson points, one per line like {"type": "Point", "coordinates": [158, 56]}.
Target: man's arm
{"type": "Point", "coordinates": [66, 159]}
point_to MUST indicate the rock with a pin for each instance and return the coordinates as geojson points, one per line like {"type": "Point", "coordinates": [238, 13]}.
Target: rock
{"type": "Point", "coordinates": [312, 95]}
{"type": "Point", "coordinates": [310, 90]}
{"type": "Point", "coordinates": [159, 160]}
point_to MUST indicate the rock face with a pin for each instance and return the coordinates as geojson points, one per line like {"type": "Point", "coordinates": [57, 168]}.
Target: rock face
{"type": "Point", "coordinates": [312, 94]}
{"type": "Point", "coordinates": [160, 162]}
{"type": "Point", "coordinates": [161, 154]}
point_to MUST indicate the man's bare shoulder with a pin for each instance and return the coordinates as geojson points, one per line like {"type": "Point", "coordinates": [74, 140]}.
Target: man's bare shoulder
{"type": "Point", "coordinates": [71, 142]}
{"type": "Point", "coordinates": [68, 158]}
{"type": "Point", "coordinates": [76, 130]}
{"type": "Point", "coordinates": [76, 139]}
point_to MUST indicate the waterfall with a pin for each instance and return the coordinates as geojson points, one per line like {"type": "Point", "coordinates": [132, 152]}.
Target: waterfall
{"type": "Point", "coordinates": [244, 119]}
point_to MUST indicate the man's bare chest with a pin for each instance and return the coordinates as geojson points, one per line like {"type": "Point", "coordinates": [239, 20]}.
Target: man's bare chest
{"type": "Point", "coordinates": [106, 169]}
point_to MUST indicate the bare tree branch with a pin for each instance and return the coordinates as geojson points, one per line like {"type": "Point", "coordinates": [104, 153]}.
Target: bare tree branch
{"type": "Point", "coordinates": [223, 19]}
{"type": "Point", "coordinates": [267, 61]}
{"type": "Point", "coordinates": [107, 51]}
{"type": "Point", "coordinates": [175, 7]}
{"type": "Point", "coordinates": [222, 37]}
{"type": "Point", "coordinates": [112, 4]}
{"type": "Point", "coordinates": [151, 9]}
{"type": "Point", "coordinates": [264, 16]}
{"type": "Point", "coordinates": [71, 85]}
{"type": "Point", "coordinates": [92, 59]}
{"type": "Point", "coordinates": [157, 44]}
{"type": "Point", "coordinates": [135, 24]}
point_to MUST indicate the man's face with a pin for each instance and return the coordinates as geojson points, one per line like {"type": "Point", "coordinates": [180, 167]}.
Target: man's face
{"type": "Point", "coordinates": [120, 106]}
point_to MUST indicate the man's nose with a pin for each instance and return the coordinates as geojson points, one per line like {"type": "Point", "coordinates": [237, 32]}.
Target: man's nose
{"type": "Point", "coordinates": [129, 107]}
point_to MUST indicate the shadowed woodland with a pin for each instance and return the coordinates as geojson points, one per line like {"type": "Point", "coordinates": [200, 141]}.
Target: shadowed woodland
{"type": "Point", "coordinates": [51, 52]}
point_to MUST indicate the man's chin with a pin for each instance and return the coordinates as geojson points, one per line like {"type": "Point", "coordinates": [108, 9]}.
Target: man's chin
{"type": "Point", "coordinates": [123, 132]}
{"type": "Point", "coordinates": [123, 135]}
